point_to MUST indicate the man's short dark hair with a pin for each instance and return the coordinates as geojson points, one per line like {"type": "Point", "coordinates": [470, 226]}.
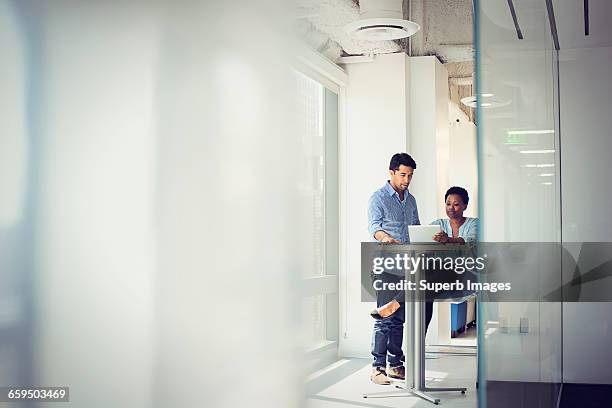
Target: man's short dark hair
{"type": "Point", "coordinates": [460, 191]}
{"type": "Point", "coordinates": [399, 159]}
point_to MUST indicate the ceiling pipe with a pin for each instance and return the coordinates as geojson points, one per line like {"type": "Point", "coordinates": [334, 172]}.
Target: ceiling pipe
{"type": "Point", "coordinates": [381, 20]}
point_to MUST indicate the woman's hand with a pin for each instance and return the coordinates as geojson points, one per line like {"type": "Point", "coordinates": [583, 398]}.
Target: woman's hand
{"type": "Point", "coordinates": [441, 237]}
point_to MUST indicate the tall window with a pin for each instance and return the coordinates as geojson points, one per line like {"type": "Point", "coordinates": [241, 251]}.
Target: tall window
{"type": "Point", "coordinates": [317, 129]}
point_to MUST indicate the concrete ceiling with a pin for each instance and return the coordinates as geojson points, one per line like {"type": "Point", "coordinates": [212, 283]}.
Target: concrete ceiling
{"type": "Point", "coordinates": [446, 32]}
{"type": "Point", "coordinates": [321, 22]}
{"type": "Point", "coordinates": [446, 29]}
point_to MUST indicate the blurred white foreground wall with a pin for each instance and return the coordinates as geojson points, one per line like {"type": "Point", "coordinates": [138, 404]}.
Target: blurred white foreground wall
{"type": "Point", "coordinates": [151, 202]}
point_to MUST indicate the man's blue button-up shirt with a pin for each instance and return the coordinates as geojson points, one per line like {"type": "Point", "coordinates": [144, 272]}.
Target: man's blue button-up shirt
{"type": "Point", "coordinates": [386, 212]}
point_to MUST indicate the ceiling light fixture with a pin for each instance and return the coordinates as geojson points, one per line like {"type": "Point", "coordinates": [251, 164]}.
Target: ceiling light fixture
{"type": "Point", "coordinates": [381, 20]}
{"type": "Point", "coordinates": [543, 165]}
{"type": "Point", "coordinates": [487, 100]}
{"type": "Point", "coordinates": [530, 132]}
{"type": "Point", "coordinates": [536, 151]}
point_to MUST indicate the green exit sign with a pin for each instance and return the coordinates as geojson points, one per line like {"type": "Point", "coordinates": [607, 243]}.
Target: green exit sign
{"type": "Point", "coordinates": [514, 139]}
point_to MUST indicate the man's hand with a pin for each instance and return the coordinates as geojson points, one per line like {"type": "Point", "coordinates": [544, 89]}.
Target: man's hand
{"type": "Point", "coordinates": [384, 238]}
{"type": "Point", "coordinates": [441, 237]}
{"type": "Point", "coordinates": [389, 240]}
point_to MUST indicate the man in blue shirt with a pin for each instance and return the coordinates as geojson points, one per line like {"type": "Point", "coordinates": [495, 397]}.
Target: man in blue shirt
{"type": "Point", "coordinates": [390, 211]}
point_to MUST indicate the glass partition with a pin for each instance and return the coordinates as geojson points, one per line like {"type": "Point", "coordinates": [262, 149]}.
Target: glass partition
{"type": "Point", "coordinates": [520, 343]}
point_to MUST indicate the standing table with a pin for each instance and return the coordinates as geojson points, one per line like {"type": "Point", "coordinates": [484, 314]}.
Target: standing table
{"type": "Point", "coordinates": [414, 339]}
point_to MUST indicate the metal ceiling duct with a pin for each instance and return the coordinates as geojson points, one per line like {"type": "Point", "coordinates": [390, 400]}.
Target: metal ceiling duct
{"type": "Point", "coordinates": [381, 20]}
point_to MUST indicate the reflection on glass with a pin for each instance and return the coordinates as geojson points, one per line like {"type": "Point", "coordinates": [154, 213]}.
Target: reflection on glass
{"type": "Point", "coordinates": [13, 142]}
{"type": "Point", "coordinates": [15, 246]}
{"type": "Point", "coordinates": [520, 343]}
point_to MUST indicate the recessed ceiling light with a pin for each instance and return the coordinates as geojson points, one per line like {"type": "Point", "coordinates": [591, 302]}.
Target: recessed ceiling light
{"type": "Point", "coordinates": [530, 132]}
{"type": "Point", "coordinates": [536, 151]}
{"type": "Point", "coordinates": [486, 101]}
{"type": "Point", "coordinates": [539, 165]}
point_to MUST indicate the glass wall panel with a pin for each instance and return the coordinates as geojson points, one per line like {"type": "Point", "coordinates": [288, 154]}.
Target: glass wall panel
{"type": "Point", "coordinates": [518, 151]}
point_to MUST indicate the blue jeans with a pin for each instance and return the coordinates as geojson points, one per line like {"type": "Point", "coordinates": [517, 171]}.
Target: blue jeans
{"type": "Point", "coordinates": [389, 334]}
{"type": "Point", "coordinates": [388, 337]}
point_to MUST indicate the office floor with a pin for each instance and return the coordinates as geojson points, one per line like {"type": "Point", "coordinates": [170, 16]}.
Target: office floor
{"type": "Point", "coordinates": [343, 384]}
{"type": "Point", "coordinates": [467, 338]}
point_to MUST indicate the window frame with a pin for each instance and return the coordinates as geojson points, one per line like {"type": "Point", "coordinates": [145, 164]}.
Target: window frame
{"type": "Point", "coordinates": [333, 80]}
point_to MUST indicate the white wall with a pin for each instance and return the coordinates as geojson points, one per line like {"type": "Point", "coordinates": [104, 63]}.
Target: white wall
{"type": "Point", "coordinates": [586, 143]}
{"type": "Point", "coordinates": [376, 118]}
{"type": "Point", "coordinates": [428, 135]}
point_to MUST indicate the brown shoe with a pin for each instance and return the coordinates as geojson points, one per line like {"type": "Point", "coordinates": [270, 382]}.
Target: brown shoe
{"type": "Point", "coordinates": [398, 372]}
{"type": "Point", "coordinates": [379, 376]}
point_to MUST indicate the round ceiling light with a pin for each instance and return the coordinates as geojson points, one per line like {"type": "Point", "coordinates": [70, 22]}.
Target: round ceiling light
{"type": "Point", "coordinates": [381, 20]}
{"type": "Point", "coordinates": [381, 29]}
{"type": "Point", "coordinates": [487, 100]}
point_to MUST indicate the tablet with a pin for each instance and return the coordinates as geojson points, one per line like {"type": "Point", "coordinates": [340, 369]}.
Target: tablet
{"type": "Point", "coordinates": [420, 234]}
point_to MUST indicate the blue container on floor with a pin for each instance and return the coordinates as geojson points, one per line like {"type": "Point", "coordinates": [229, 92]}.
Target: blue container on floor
{"type": "Point", "coordinates": [458, 316]}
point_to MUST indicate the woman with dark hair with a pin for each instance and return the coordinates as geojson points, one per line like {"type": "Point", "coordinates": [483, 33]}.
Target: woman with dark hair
{"type": "Point", "coordinates": [456, 228]}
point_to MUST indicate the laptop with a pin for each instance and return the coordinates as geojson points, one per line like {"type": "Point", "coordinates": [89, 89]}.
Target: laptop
{"type": "Point", "coordinates": [422, 234]}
